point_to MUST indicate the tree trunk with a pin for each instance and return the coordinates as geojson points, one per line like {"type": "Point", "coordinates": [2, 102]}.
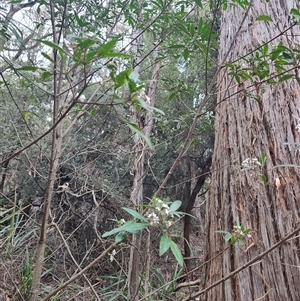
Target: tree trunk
{"type": "Point", "coordinates": [137, 194]}
{"type": "Point", "coordinates": [247, 128]}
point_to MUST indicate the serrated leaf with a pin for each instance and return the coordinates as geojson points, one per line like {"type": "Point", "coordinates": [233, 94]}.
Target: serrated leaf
{"type": "Point", "coordinates": [135, 214]}
{"type": "Point", "coordinates": [264, 18]}
{"type": "Point", "coordinates": [127, 227]}
{"type": "Point", "coordinates": [175, 205]}
{"type": "Point", "coordinates": [164, 245]}
{"type": "Point", "coordinates": [177, 253]}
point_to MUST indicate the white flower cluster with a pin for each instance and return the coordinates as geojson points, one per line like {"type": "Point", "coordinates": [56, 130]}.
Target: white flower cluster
{"type": "Point", "coordinates": [160, 214]}
{"type": "Point", "coordinates": [250, 163]}
{"type": "Point", "coordinates": [153, 219]}
{"type": "Point", "coordinates": [240, 233]}
{"type": "Point", "coordinates": [112, 255]}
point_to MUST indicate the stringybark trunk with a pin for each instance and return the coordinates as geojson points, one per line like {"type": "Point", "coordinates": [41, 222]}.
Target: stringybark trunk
{"type": "Point", "coordinates": [246, 128]}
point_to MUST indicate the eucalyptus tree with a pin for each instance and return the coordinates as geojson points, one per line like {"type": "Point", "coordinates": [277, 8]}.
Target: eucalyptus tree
{"type": "Point", "coordinates": [254, 192]}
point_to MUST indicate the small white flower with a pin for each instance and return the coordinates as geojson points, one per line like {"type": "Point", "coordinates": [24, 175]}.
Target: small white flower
{"type": "Point", "coordinates": [250, 163]}
{"type": "Point", "coordinates": [171, 215]}
{"type": "Point", "coordinates": [153, 218]}
{"type": "Point", "coordinates": [298, 127]}
{"type": "Point", "coordinates": [122, 221]}
{"type": "Point", "coordinates": [277, 183]}
{"type": "Point", "coordinates": [168, 224]}
{"type": "Point", "coordinates": [81, 98]}
{"type": "Point", "coordinates": [112, 255]}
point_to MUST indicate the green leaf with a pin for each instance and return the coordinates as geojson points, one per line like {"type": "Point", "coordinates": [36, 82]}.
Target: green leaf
{"type": "Point", "coordinates": [164, 245]}
{"type": "Point", "coordinates": [46, 74]}
{"type": "Point", "coordinates": [130, 227]}
{"type": "Point", "coordinates": [185, 54]}
{"type": "Point", "coordinates": [122, 78]}
{"type": "Point", "coordinates": [135, 128]}
{"type": "Point", "coordinates": [177, 253]}
{"type": "Point", "coordinates": [117, 54]}
{"type": "Point", "coordinates": [93, 112]}
{"type": "Point", "coordinates": [27, 115]}
{"type": "Point", "coordinates": [264, 18]}
{"type": "Point", "coordinates": [144, 105]}
{"type": "Point", "coordinates": [263, 159]}
{"type": "Point", "coordinates": [199, 3]}
{"type": "Point", "coordinates": [135, 214]}
{"type": "Point", "coordinates": [48, 57]}
{"type": "Point", "coordinates": [91, 54]}
{"type": "Point", "coordinates": [285, 77]}
{"type": "Point", "coordinates": [53, 45]}
{"type": "Point", "coordinates": [227, 235]}
{"type": "Point", "coordinates": [175, 205]}
{"type": "Point", "coordinates": [106, 48]}
{"type": "Point", "coordinates": [286, 55]}
{"type": "Point", "coordinates": [296, 14]}
{"type": "Point", "coordinates": [176, 46]}
{"type": "Point", "coordinates": [264, 179]}
{"type": "Point", "coordinates": [18, 34]}
{"type": "Point", "coordinates": [86, 42]}
{"type": "Point", "coordinates": [120, 236]}
{"type": "Point", "coordinates": [80, 22]}
{"type": "Point", "coordinates": [28, 68]}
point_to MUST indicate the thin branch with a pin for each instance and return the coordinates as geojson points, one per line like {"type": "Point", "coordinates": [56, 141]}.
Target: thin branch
{"type": "Point", "coordinates": [73, 278]}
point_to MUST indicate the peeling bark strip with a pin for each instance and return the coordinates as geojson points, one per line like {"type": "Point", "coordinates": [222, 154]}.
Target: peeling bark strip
{"type": "Point", "coordinates": [245, 129]}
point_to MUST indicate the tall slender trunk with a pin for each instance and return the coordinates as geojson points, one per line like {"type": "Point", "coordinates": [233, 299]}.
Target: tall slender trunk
{"type": "Point", "coordinates": [56, 148]}
{"type": "Point", "coordinates": [248, 125]}
{"type": "Point", "coordinates": [137, 191]}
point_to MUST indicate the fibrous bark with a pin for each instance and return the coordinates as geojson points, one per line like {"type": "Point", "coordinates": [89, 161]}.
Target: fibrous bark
{"type": "Point", "coordinates": [248, 125]}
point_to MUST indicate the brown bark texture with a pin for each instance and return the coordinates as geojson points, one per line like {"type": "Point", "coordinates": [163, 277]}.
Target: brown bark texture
{"type": "Point", "coordinates": [246, 128]}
